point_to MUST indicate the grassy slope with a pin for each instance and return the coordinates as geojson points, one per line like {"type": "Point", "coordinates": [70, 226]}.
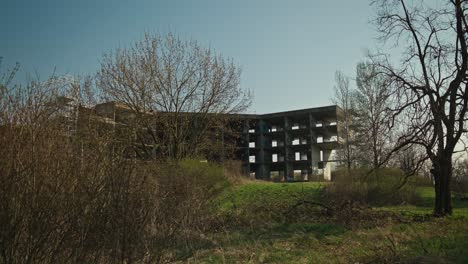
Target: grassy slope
{"type": "Point", "coordinates": [427, 194]}
{"type": "Point", "coordinates": [265, 199]}
{"type": "Point", "coordinates": [265, 234]}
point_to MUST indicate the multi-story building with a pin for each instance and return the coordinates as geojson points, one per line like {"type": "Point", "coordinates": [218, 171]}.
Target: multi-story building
{"type": "Point", "coordinates": [291, 146]}
{"type": "Point", "coordinates": [295, 145]}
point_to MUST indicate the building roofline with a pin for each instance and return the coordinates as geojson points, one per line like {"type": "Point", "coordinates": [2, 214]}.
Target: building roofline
{"type": "Point", "coordinates": [302, 111]}
{"type": "Point", "coordinates": [320, 109]}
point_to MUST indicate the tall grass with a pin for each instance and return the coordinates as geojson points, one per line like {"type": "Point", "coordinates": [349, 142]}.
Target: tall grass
{"type": "Point", "coordinates": [386, 186]}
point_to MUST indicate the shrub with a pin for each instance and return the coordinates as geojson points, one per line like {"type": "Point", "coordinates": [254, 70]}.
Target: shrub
{"type": "Point", "coordinates": [181, 195]}
{"type": "Point", "coordinates": [418, 180]}
{"type": "Point", "coordinates": [460, 187]}
{"type": "Point", "coordinates": [234, 172]}
{"type": "Point", "coordinates": [72, 191]}
{"type": "Point", "coordinates": [98, 209]}
{"type": "Point", "coordinates": [460, 179]}
{"type": "Point", "coordinates": [207, 177]}
{"type": "Point", "coordinates": [385, 186]}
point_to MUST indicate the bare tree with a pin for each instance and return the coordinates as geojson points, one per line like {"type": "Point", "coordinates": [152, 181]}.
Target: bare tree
{"type": "Point", "coordinates": [179, 92]}
{"type": "Point", "coordinates": [343, 98]}
{"type": "Point", "coordinates": [371, 107]}
{"type": "Point", "coordinates": [68, 194]}
{"type": "Point", "coordinates": [429, 86]}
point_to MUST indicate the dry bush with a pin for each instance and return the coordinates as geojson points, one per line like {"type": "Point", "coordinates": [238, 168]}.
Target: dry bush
{"type": "Point", "coordinates": [460, 179]}
{"type": "Point", "coordinates": [460, 187]}
{"type": "Point", "coordinates": [101, 210]}
{"type": "Point", "coordinates": [62, 196]}
{"type": "Point", "coordinates": [234, 174]}
{"type": "Point", "coordinates": [68, 195]}
{"type": "Point", "coordinates": [380, 187]}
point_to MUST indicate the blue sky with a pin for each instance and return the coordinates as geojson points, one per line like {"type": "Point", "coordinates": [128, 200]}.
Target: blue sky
{"type": "Point", "coordinates": [288, 50]}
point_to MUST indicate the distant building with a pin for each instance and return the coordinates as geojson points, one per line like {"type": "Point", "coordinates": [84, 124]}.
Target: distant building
{"type": "Point", "coordinates": [295, 145]}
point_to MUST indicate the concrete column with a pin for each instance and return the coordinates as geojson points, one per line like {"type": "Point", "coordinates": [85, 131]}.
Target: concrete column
{"type": "Point", "coordinates": [326, 165]}
{"type": "Point", "coordinates": [245, 134]}
{"type": "Point", "coordinates": [288, 171]}
{"type": "Point", "coordinates": [262, 168]}
{"type": "Point", "coordinates": [314, 149]}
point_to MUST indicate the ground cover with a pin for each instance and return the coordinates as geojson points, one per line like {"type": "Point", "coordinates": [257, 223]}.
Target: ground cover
{"type": "Point", "coordinates": [260, 227]}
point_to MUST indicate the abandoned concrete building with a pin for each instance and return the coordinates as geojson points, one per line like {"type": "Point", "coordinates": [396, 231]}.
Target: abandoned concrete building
{"type": "Point", "coordinates": [293, 146]}
{"type": "Point", "coordinates": [297, 145]}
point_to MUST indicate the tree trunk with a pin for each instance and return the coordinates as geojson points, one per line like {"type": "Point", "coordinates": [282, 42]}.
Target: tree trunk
{"type": "Point", "coordinates": [443, 194]}
{"type": "Point", "coordinates": [348, 148]}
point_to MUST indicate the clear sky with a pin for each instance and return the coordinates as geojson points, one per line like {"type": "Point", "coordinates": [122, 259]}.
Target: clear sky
{"type": "Point", "coordinates": [288, 49]}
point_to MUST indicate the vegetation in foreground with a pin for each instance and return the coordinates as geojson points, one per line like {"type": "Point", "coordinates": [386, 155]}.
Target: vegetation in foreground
{"type": "Point", "coordinates": [272, 223]}
{"type": "Point", "coordinates": [192, 212]}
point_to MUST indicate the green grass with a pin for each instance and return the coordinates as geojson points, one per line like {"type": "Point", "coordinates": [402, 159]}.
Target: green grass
{"type": "Point", "coordinates": [263, 203]}
{"type": "Point", "coordinates": [270, 193]}
{"type": "Point", "coordinates": [259, 231]}
{"type": "Point", "coordinates": [460, 208]}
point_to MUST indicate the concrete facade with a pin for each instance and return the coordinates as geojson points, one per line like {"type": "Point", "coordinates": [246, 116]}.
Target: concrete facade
{"type": "Point", "coordinates": [295, 145]}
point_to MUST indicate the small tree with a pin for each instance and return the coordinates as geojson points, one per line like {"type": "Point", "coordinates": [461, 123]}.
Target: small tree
{"type": "Point", "coordinates": [371, 107]}
{"type": "Point", "coordinates": [343, 98]}
{"type": "Point", "coordinates": [179, 92]}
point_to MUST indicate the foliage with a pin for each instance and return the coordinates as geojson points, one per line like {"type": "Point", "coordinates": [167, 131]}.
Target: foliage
{"type": "Point", "coordinates": [374, 187]}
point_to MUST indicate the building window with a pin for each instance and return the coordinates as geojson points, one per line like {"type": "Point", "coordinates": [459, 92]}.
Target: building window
{"type": "Point", "coordinates": [274, 158]}
{"type": "Point", "coordinates": [297, 156]}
